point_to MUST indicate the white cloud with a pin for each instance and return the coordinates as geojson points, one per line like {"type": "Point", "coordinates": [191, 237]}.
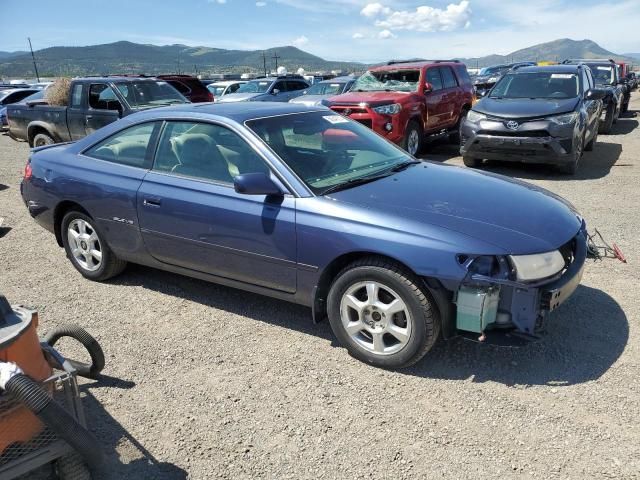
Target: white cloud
{"type": "Point", "coordinates": [375, 9]}
{"type": "Point", "coordinates": [219, 2]}
{"type": "Point", "coordinates": [357, 36]}
{"type": "Point", "coordinates": [385, 34]}
{"type": "Point", "coordinates": [261, 4]}
{"type": "Point", "coordinates": [300, 41]}
{"type": "Point", "coordinates": [422, 19]}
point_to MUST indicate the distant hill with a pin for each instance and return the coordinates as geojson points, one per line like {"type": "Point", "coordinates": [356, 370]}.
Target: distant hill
{"type": "Point", "coordinates": [5, 55]}
{"type": "Point", "coordinates": [555, 51]}
{"type": "Point", "coordinates": [128, 57]}
{"type": "Point", "coordinates": [635, 56]}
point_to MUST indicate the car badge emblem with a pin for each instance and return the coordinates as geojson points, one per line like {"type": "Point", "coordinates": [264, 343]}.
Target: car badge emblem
{"type": "Point", "coordinates": [511, 125]}
{"type": "Point", "coordinates": [347, 111]}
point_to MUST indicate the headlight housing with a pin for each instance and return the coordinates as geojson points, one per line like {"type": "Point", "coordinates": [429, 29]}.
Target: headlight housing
{"type": "Point", "coordinates": [564, 119]}
{"type": "Point", "coordinates": [493, 80]}
{"type": "Point", "coordinates": [537, 266]}
{"type": "Point", "coordinates": [475, 117]}
{"type": "Point", "coordinates": [388, 109]}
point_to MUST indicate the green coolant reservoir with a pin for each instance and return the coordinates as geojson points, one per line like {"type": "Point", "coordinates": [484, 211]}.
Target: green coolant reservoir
{"type": "Point", "coordinates": [476, 308]}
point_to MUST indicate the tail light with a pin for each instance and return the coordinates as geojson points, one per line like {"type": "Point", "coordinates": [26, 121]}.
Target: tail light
{"type": "Point", "coordinates": [28, 172]}
{"type": "Point", "coordinates": [210, 96]}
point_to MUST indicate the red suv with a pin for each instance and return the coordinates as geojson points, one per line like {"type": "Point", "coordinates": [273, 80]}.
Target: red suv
{"type": "Point", "coordinates": [189, 86]}
{"type": "Point", "coordinates": [406, 101]}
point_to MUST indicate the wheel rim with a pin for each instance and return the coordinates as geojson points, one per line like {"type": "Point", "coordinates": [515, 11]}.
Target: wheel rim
{"type": "Point", "coordinates": [376, 318]}
{"type": "Point", "coordinates": [84, 245]}
{"type": "Point", "coordinates": [40, 142]}
{"type": "Point", "coordinates": [412, 142]}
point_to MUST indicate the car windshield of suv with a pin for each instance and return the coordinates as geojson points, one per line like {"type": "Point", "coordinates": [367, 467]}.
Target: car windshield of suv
{"type": "Point", "coordinates": [498, 69]}
{"type": "Point", "coordinates": [388, 81]}
{"type": "Point", "coordinates": [149, 94]}
{"type": "Point", "coordinates": [328, 151]}
{"type": "Point", "coordinates": [254, 86]}
{"type": "Point", "coordinates": [602, 74]}
{"type": "Point", "coordinates": [537, 85]}
{"type": "Point", "coordinates": [325, 89]}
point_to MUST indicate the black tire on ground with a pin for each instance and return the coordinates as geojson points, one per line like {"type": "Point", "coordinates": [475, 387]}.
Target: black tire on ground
{"type": "Point", "coordinates": [42, 139]}
{"type": "Point", "coordinates": [589, 146]}
{"type": "Point", "coordinates": [625, 106]}
{"type": "Point", "coordinates": [425, 326]}
{"type": "Point", "coordinates": [571, 168]}
{"type": "Point", "coordinates": [72, 467]}
{"type": "Point", "coordinates": [605, 127]}
{"type": "Point", "coordinates": [472, 162]}
{"type": "Point", "coordinates": [456, 134]}
{"type": "Point", "coordinates": [413, 128]}
{"type": "Point", "coordinates": [109, 265]}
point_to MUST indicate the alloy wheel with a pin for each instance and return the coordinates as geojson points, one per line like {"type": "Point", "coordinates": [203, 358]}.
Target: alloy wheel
{"type": "Point", "coordinates": [376, 318]}
{"type": "Point", "coordinates": [413, 141]}
{"type": "Point", "coordinates": [84, 244]}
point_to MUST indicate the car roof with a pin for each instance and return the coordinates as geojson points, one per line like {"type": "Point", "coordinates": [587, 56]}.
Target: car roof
{"type": "Point", "coordinates": [116, 78]}
{"type": "Point", "coordinates": [344, 79]}
{"type": "Point", "coordinates": [226, 83]}
{"type": "Point", "coordinates": [415, 65]}
{"type": "Point", "coordinates": [548, 69]}
{"type": "Point", "coordinates": [239, 112]}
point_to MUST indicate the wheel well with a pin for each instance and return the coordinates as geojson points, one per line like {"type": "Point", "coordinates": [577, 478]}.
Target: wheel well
{"type": "Point", "coordinates": [33, 131]}
{"type": "Point", "coordinates": [335, 267]}
{"type": "Point", "coordinates": [61, 210]}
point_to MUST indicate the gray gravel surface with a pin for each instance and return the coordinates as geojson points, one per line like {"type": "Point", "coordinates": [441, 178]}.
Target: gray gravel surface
{"type": "Point", "coordinates": [204, 381]}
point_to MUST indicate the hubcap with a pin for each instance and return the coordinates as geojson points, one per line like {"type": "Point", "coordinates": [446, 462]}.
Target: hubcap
{"type": "Point", "coordinates": [412, 142]}
{"type": "Point", "coordinates": [84, 245]}
{"type": "Point", "coordinates": [376, 318]}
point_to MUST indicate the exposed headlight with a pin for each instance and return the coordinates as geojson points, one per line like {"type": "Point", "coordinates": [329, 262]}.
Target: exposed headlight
{"type": "Point", "coordinates": [388, 109]}
{"type": "Point", "coordinates": [493, 79]}
{"type": "Point", "coordinates": [538, 266]}
{"type": "Point", "coordinates": [564, 119]}
{"type": "Point", "coordinates": [475, 117]}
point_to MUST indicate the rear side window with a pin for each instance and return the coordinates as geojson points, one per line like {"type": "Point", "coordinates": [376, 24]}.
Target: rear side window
{"type": "Point", "coordinates": [448, 78]}
{"type": "Point", "coordinates": [181, 87]}
{"type": "Point", "coordinates": [433, 77]}
{"type": "Point", "coordinates": [463, 75]}
{"type": "Point", "coordinates": [127, 147]}
{"type": "Point", "coordinates": [76, 95]}
{"type": "Point", "coordinates": [293, 86]}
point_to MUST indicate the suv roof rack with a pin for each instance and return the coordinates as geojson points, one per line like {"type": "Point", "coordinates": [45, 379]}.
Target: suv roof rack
{"type": "Point", "coordinates": [446, 61]}
{"type": "Point", "coordinates": [588, 60]}
{"type": "Point", "coordinates": [408, 60]}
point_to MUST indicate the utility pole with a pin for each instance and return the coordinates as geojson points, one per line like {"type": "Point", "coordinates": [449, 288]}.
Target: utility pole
{"type": "Point", "coordinates": [35, 66]}
{"type": "Point", "coordinates": [264, 63]}
{"type": "Point", "coordinates": [276, 57]}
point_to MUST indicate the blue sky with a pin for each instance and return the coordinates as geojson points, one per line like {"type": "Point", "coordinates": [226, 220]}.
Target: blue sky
{"type": "Point", "coordinates": [334, 29]}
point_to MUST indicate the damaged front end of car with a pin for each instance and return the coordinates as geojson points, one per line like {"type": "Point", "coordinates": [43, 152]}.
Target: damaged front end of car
{"type": "Point", "coordinates": [514, 294]}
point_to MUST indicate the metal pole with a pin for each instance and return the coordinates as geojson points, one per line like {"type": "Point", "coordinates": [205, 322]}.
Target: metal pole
{"type": "Point", "coordinates": [34, 60]}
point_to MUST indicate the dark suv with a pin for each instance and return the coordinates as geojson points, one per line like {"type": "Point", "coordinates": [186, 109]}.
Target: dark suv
{"type": "Point", "coordinates": [489, 76]}
{"type": "Point", "coordinates": [535, 114]}
{"type": "Point", "coordinates": [404, 101]}
{"type": "Point", "coordinates": [606, 77]}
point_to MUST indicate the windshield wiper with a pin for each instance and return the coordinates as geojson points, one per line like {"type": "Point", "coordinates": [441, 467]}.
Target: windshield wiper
{"type": "Point", "coordinates": [404, 165]}
{"type": "Point", "coordinates": [355, 182]}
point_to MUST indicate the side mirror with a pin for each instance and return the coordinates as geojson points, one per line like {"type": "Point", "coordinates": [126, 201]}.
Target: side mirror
{"type": "Point", "coordinates": [275, 91]}
{"type": "Point", "coordinates": [595, 94]}
{"type": "Point", "coordinates": [256, 184]}
{"type": "Point", "coordinates": [428, 88]}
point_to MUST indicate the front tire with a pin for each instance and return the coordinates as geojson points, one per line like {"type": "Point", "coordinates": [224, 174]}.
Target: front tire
{"type": "Point", "coordinates": [571, 168]}
{"type": "Point", "coordinates": [606, 126]}
{"type": "Point", "coordinates": [382, 313]}
{"type": "Point", "coordinates": [589, 146]}
{"type": "Point", "coordinates": [412, 142]}
{"type": "Point", "coordinates": [87, 248]}
{"type": "Point", "coordinates": [472, 162]}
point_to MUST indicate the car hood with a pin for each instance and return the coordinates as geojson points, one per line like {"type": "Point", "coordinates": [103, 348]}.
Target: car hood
{"type": "Point", "coordinates": [516, 217]}
{"type": "Point", "coordinates": [310, 100]}
{"type": "Point", "coordinates": [237, 97]}
{"type": "Point", "coordinates": [525, 107]}
{"type": "Point", "coordinates": [371, 98]}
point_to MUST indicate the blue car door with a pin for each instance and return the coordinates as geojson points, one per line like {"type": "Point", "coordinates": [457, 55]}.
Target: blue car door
{"type": "Point", "coordinates": [191, 216]}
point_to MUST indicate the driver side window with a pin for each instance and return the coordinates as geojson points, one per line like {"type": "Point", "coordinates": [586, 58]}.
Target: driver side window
{"type": "Point", "coordinates": [102, 97]}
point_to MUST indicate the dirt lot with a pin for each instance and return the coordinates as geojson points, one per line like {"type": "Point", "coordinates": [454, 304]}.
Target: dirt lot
{"type": "Point", "coordinates": [204, 381]}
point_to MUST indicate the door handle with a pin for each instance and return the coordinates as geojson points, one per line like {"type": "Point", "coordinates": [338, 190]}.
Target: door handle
{"type": "Point", "coordinates": [152, 202]}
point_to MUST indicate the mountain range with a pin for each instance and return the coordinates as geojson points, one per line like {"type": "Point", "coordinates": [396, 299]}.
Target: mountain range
{"type": "Point", "coordinates": [128, 57]}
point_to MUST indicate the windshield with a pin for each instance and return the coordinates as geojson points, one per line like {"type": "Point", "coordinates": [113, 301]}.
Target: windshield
{"type": "Point", "coordinates": [603, 74]}
{"type": "Point", "coordinates": [494, 70]}
{"type": "Point", "coordinates": [36, 96]}
{"type": "Point", "coordinates": [537, 85]}
{"type": "Point", "coordinates": [388, 81]}
{"type": "Point", "coordinates": [216, 90]}
{"type": "Point", "coordinates": [326, 89]}
{"type": "Point", "coordinates": [327, 150]}
{"type": "Point", "coordinates": [254, 86]}
{"type": "Point", "coordinates": [149, 94]}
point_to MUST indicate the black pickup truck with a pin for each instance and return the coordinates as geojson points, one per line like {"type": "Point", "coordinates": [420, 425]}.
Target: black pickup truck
{"type": "Point", "coordinates": [93, 103]}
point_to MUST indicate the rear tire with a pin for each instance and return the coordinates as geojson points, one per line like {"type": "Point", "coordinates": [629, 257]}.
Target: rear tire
{"type": "Point", "coordinates": [42, 139]}
{"type": "Point", "coordinates": [472, 162]}
{"type": "Point", "coordinates": [456, 135]}
{"type": "Point", "coordinates": [382, 313]}
{"type": "Point", "coordinates": [87, 248]}
{"type": "Point", "coordinates": [413, 139]}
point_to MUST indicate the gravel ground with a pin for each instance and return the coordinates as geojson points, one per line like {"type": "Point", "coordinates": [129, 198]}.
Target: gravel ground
{"type": "Point", "coordinates": [204, 381]}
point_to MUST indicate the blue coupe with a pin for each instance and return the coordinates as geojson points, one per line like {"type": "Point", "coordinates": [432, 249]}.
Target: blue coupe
{"type": "Point", "coordinates": [301, 204]}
